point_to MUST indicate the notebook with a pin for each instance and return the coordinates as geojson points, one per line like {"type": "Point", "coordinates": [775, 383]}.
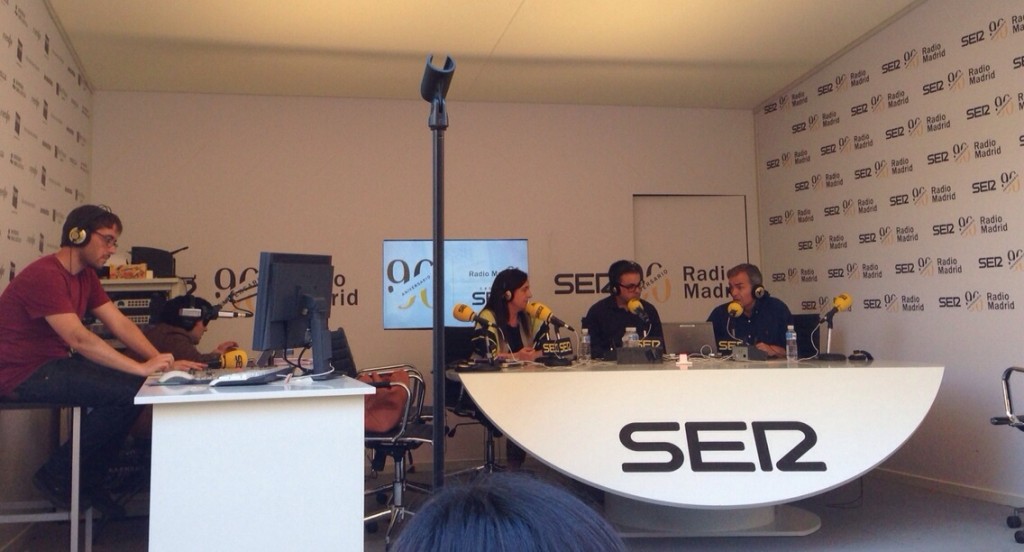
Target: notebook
{"type": "Point", "coordinates": [689, 337]}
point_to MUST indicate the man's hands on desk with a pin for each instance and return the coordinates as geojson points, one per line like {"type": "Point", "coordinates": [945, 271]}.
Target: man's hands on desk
{"type": "Point", "coordinates": [165, 362]}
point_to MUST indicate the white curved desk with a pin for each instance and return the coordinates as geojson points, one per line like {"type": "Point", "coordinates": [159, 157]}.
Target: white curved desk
{"type": "Point", "coordinates": [721, 435]}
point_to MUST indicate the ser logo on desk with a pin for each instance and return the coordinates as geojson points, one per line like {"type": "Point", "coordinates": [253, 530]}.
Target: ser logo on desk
{"type": "Point", "coordinates": [696, 447]}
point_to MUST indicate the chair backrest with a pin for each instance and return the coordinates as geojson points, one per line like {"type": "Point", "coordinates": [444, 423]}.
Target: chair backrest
{"type": "Point", "coordinates": [412, 396]}
{"type": "Point", "coordinates": [458, 343]}
{"type": "Point", "coordinates": [341, 354]}
{"type": "Point", "coordinates": [806, 336]}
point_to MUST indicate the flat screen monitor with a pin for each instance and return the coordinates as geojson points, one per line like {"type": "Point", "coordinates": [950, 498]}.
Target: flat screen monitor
{"type": "Point", "coordinates": [469, 269]}
{"type": "Point", "coordinates": [293, 303]}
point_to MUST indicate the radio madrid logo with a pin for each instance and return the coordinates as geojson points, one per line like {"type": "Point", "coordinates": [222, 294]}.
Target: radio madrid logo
{"type": "Point", "coordinates": [657, 284]}
{"type": "Point", "coordinates": [1016, 259]}
{"type": "Point", "coordinates": [925, 266]}
{"type": "Point", "coordinates": [885, 235]}
{"type": "Point", "coordinates": [974, 301]}
{"type": "Point", "coordinates": [853, 271]}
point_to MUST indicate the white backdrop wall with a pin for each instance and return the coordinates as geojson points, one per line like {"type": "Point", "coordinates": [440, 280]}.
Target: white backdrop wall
{"type": "Point", "coordinates": [45, 149]}
{"type": "Point", "coordinates": [894, 174]}
{"type": "Point", "coordinates": [230, 176]}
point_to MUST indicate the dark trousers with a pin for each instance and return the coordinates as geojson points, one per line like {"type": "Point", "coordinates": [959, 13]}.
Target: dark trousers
{"type": "Point", "coordinates": [109, 398]}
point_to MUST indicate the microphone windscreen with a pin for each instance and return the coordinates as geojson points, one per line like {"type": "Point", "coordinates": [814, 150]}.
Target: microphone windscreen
{"type": "Point", "coordinates": [538, 310]}
{"type": "Point", "coordinates": [635, 306]}
{"type": "Point", "coordinates": [734, 309]}
{"type": "Point", "coordinates": [234, 358]}
{"type": "Point", "coordinates": [842, 301]}
{"type": "Point", "coordinates": [463, 313]}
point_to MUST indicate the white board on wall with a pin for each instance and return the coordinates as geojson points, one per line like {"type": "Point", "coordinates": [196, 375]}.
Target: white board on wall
{"type": "Point", "coordinates": [685, 244]}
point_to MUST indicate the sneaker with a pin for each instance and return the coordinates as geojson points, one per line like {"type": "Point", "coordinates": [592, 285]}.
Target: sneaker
{"type": "Point", "coordinates": [58, 492]}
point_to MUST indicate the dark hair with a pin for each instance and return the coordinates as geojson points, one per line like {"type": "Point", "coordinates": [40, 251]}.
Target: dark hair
{"type": "Point", "coordinates": [88, 218]}
{"type": "Point", "coordinates": [171, 312]}
{"type": "Point", "coordinates": [507, 511]}
{"type": "Point", "coordinates": [620, 268]}
{"type": "Point", "coordinates": [750, 270]}
{"type": "Point", "coordinates": [508, 280]}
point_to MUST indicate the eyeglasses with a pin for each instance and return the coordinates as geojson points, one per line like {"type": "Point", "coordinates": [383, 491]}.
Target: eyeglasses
{"type": "Point", "coordinates": [110, 241]}
{"type": "Point", "coordinates": [630, 287]}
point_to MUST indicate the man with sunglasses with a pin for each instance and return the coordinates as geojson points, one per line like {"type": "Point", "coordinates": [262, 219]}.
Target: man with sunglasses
{"type": "Point", "coordinates": [47, 355]}
{"type": "Point", "coordinates": [608, 318]}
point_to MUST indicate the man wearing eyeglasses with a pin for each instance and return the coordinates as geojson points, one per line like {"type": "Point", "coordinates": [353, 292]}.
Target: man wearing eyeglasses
{"type": "Point", "coordinates": [608, 318]}
{"type": "Point", "coordinates": [47, 355]}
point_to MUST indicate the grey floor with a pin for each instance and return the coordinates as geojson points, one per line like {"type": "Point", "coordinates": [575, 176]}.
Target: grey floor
{"type": "Point", "coordinates": [891, 516]}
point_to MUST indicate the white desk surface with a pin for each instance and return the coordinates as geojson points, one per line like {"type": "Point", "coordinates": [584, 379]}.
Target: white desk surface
{"type": "Point", "coordinates": [169, 394]}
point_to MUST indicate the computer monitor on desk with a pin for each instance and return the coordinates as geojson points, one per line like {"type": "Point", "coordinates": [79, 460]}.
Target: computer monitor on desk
{"type": "Point", "coordinates": [293, 303]}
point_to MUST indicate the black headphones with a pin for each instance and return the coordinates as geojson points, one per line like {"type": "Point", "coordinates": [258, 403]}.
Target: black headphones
{"type": "Point", "coordinates": [616, 271]}
{"type": "Point", "coordinates": [756, 282]}
{"type": "Point", "coordinates": [82, 222]}
{"type": "Point", "coordinates": [185, 311]}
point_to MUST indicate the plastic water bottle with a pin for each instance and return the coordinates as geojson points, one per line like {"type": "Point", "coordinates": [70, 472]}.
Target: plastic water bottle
{"type": "Point", "coordinates": [630, 339]}
{"type": "Point", "coordinates": [791, 350]}
{"type": "Point", "coordinates": [584, 345]}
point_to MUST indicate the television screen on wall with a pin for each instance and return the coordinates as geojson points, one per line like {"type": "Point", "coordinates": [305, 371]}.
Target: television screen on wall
{"type": "Point", "coordinates": [469, 269]}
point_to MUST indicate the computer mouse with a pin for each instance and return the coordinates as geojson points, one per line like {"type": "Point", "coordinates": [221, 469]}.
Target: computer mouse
{"type": "Point", "coordinates": [177, 376]}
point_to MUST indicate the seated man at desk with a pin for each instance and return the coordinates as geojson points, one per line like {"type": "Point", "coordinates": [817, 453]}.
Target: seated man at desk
{"type": "Point", "coordinates": [757, 319]}
{"type": "Point", "coordinates": [48, 356]}
{"type": "Point", "coordinates": [608, 318]}
{"type": "Point", "coordinates": [180, 327]}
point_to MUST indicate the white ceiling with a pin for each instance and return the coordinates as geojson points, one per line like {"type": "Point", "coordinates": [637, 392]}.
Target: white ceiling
{"type": "Point", "coordinates": [676, 53]}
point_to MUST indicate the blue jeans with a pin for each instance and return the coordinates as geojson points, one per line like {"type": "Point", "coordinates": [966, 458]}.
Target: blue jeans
{"type": "Point", "coordinates": [109, 398]}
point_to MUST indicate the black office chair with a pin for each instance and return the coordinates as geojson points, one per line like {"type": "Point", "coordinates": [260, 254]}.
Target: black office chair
{"type": "Point", "coordinates": [1011, 419]}
{"type": "Point", "coordinates": [410, 432]}
{"type": "Point", "coordinates": [808, 336]}
{"type": "Point", "coordinates": [341, 354]}
{"type": "Point", "coordinates": [458, 345]}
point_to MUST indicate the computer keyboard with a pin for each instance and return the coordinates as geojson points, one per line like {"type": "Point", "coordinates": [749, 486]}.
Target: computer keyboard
{"type": "Point", "coordinates": [252, 376]}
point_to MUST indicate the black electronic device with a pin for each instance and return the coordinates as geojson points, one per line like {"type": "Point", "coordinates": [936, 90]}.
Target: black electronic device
{"type": "Point", "coordinates": [293, 303]}
{"type": "Point", "coordinates": [744, 352]}
{"type": "Point", "coordinates": [860, 356]}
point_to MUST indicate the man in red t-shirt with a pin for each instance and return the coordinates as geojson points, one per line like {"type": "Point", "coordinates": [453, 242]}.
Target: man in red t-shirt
{"type": "Point", "coordinates": [47, 355]}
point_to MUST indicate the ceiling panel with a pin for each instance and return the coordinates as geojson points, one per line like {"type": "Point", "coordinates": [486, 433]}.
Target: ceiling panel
{"type": "Point", "coordinates": [682, 53]}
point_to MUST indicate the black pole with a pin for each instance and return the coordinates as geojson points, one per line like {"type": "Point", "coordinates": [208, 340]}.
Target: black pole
{"type": "Point", "coordinates": [433, 89]}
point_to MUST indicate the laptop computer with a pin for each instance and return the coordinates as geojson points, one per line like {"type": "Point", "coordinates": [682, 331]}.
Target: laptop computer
{"type": "Point", "coordinates": [689, 337]}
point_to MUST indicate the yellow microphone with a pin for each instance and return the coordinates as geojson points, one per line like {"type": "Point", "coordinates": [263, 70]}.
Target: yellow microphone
{"type": "Point", "coordinates": [841, 302]}
{"type": "Point", "coordinates": [539, 311]}
{"type": "Point", "coordinates": [463, 313]}
{"type": "Point", "coordinates": [734, 309]}
{"type": "Point", "coordinates": [234, 358]}
{"type": "Point", "coordinates": [636, 307]}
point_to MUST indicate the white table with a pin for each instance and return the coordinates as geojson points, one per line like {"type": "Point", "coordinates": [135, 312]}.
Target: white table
{"type": "Point", "coordinates": [266, 467]}
{"type": "Point", "coordinates": [712, 437]}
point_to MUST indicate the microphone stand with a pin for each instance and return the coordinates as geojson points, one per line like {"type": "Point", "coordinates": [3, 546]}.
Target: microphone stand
{"type": "Point", "coordinates": [434, 88]}
{"type": "Point", "coordinates": [828, 341]}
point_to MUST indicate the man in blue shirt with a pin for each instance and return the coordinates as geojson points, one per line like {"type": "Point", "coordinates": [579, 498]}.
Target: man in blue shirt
{"type": "Point", "coordinates": [753, 317]}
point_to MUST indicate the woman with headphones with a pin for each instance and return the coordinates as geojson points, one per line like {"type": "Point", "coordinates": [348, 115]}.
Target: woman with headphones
{"type": "Point", "coordinates": [513, 334]}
